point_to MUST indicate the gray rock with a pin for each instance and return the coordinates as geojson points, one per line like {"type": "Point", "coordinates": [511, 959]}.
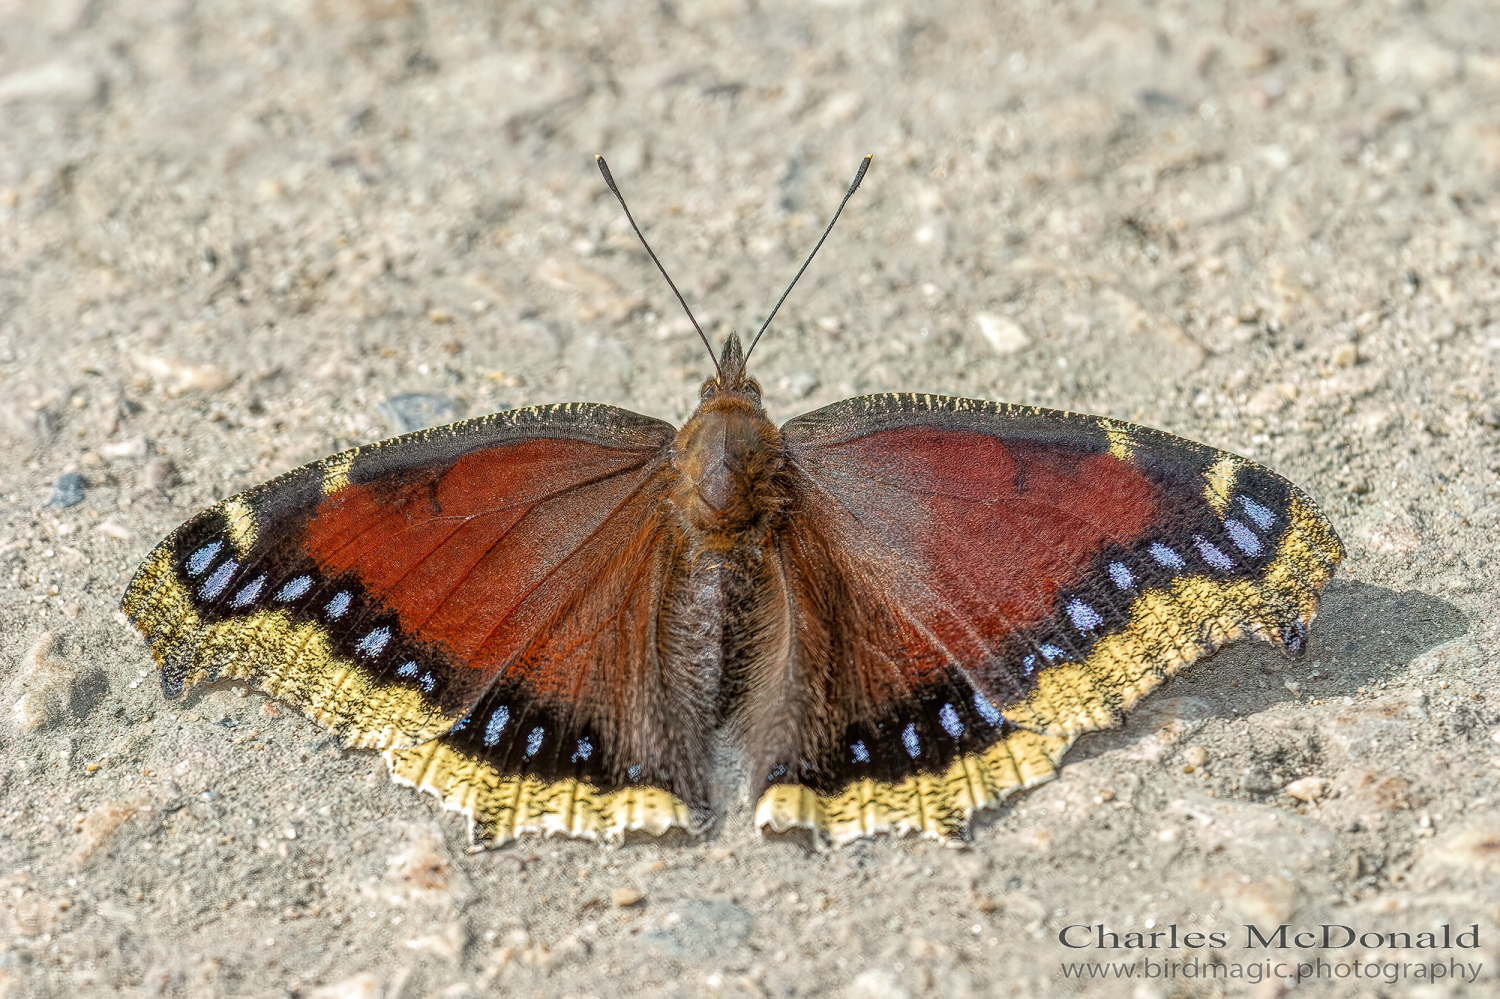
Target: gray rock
{"type": "Point", "coordinates": [68, 490]}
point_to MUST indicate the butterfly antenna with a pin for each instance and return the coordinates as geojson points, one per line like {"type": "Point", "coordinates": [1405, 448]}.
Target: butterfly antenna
{"type": "Point", "coordinates": [614, 189]}
{"type": "Point", "coordinates": [863, 166]}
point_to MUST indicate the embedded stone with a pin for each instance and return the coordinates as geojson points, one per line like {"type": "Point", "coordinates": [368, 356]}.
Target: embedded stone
{"type": "Point", "coordinates": [68, 490]}
{"type": "Point", "coordinates": [1308, 789]}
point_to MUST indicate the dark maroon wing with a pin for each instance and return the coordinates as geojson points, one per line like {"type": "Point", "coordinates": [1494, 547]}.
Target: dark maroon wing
{"type": "Point", "coordinates": [953, 570]}
{"type": "Point", "coordinates": [495, 583]}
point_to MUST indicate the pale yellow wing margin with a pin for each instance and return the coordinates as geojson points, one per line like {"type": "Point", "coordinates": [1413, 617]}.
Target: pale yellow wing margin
{"type": "Point", "coordinates": [501, 808]}
{"type": "Point", "coordinates": [1168, 629]}
{"type": "Point", "coordinates": [294, 661]}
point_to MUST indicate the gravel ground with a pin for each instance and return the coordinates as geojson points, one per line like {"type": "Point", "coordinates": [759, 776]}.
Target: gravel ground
{"type": "Point", "coordinates": [234, 236]}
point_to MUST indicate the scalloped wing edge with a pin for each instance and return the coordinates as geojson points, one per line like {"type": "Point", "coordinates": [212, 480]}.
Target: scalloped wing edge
{"type": "Point", "coordinates": [503, 808]}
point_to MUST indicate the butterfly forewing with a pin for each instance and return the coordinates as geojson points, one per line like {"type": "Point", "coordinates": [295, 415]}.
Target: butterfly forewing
{"type": "Point", "coordinates": [498, 580]}
{"type": "Point", "coordinates": [965, 574]}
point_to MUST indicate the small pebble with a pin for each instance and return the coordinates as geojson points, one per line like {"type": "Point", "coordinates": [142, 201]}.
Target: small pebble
{"type": "Point", "coordinates": [1307, 789]}
{"type": "Point", "coordinates": [176, 376]}
{"type": "Point", "coordinates": [624, 898]}
{"type": "Point", "coordinates": [1195, 756]}
{"type": "Point", "coordinates": [68, 490]}
{"type": "Point", "coordinates": [1004, 335]}
{"type": "Point", "coordinates": [61, 81]}
{"type": "Point", "coordinates": [135, 447]}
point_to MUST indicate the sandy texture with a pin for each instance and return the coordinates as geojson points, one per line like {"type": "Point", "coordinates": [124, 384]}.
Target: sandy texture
{"type": "Point", "coordinates": [229, 233]}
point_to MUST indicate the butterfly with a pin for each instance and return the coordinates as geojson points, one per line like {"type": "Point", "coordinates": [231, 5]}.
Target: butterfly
{"type": "Point", "coordinates": [892, 612]}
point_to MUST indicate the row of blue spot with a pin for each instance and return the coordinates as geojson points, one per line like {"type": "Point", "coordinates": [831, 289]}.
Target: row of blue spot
{"type": "Point", "coordinates": [1086, 619]}
{"type": "Point", "coordinates": [500, 718]}
{"type": "Point", "coordinates": [947, 717]}
{"type": "Point", "coordinates": [369, 646]}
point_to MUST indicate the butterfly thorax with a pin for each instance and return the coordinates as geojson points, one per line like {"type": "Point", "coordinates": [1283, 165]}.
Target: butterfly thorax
{"type": "Point", "coordinates": [727, 458]}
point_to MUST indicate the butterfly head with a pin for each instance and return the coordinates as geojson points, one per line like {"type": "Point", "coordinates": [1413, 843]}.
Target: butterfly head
{"type": "Point", "coordinates": [731, 376]}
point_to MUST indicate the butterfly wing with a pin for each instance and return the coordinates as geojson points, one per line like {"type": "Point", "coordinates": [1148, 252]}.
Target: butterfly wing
{"type": "Point", "coordinates": [967, 587]}
{"type": "Point", "coordinates": [480, 600]}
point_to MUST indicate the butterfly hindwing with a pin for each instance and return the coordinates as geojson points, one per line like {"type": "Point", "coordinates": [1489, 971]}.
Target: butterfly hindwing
{"type": "Point", "coordinates": [494, 584]}
{"type": "Point", "coordinates": [973, 585]}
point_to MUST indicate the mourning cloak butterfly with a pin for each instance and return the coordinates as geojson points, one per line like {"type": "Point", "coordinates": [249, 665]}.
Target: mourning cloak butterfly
{"type": "Point", "coordinates": [897, 609]}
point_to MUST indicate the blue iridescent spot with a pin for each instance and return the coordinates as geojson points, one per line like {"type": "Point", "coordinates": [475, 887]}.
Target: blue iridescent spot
{"type": "Point", "coordinates": [248, 592]}
{"type": "Point", "coordinates": [861, 754]}
{"type": "Point", "coordinates": [1030, 663]}
{"type": "Point", "coordinates": [909, 740]}
{"type": "Point", "coordinates": [1121, 575]}
{"type": "Point", "coordinates": [584, 751]}
{"type": "Point", "coordinates": [496, 725]}
{"type": "Point", "coordinates": [373, 643]}
{"type": "Point", "coordinates": [534, 741]}
{"type": "Point", "coordinates": [1166, 556]}
{"type": "Point", "coordinates": [1244, 539]}
{"type": "Point", "coordinates": [1085, 618]}
{"type": "Point", "coordinates": [1212, 555]}
{"type": "Point", "coordinates": [1263, 518]}
{"type": "Point", "coordinates": [426, 682]}
{"type": "Point", "coordinates": [200, 559]}
{"type": "Point", "coordinates": [339, 605]}
{"type": "Point", "coordinates": [950, 721]}
{"type": "Point", "coordinates": [407, 669]}
{"type": "Point", "coordinates": [463, 723]}
{"type": "Point", "coordinates": [219, 581]}
{"type": "Point", "coordinates": [294, 588]}
{"type": "Point", "coordinates": [780, 769]}
{"type": "Point", "coordinates": [986, 710]}
{"type": "Point", "coordinates": [1052, 652]}
{"type": "Point", "coordinates": [635, 772]}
